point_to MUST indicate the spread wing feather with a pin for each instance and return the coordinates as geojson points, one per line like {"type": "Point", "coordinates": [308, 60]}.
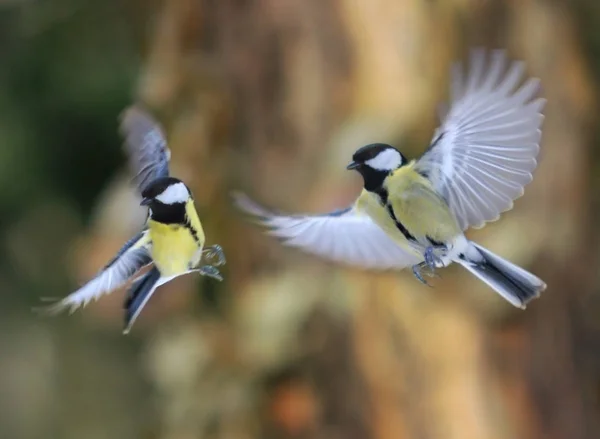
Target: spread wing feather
{"type": "Point", "coordinates": [485, 151]}
{"type": "Point", "coordinates": [146, 146]}
{"type": "Point", "coordinates": [132, 257]}
{"type": "Point", "coordinates": [344, 236]}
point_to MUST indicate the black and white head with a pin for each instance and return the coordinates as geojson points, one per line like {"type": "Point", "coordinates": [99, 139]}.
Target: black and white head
{"type": "Point", "coordinates": [166, 197]}
{"type": "Point", "coordinates": [375, 162]}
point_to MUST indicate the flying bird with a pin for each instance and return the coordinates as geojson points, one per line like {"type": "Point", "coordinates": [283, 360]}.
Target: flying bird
{"type": "Point", "coordinates": [413, 213]}
{"type": "Point", "coordinates": [172, 241]}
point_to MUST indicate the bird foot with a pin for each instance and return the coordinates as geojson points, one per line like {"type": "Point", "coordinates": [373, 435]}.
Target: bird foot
{"type": "Point", "coordinates": [427, 267]}
{"type": "Point", "coordinates": [214, 252]}
{"type": "Point", "coordinates": [432, 260]}
{"type": "Point", "coordinates": [210, 271]}
{"type": "Point", "coordinates": [424, 269]}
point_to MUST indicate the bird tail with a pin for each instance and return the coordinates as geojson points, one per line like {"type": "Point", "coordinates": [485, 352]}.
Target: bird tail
{"type": "Point", "coordinates": [515, 284]}
{"type": "Point", "coordinates": [138, 295]}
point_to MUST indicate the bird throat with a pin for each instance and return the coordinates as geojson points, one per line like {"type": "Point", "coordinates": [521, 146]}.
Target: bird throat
{"type": "Point", "coordinates": [174, 214]}
{"type": "Point", "coordinates": [169, 213]}
{"type": "Point", "coordinates": [374, 178]}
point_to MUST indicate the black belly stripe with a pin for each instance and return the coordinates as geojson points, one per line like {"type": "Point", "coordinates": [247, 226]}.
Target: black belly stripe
{"type": "Point", "coordinates": [383, 194]}
{"type": "Point", "coordinates": [400, 226]}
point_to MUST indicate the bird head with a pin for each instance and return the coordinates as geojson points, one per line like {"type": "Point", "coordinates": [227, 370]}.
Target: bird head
{"type": "Point", "coordinates": [167, 191]}
{"type": "Point", "coordinates": [375, 162]}
{"type": "Point", "coordinates": [377, 157]}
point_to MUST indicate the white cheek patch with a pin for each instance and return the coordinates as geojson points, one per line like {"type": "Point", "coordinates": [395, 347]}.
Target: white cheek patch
{"type": "Point", "coordinates": [386, 160]}
{"type": "Point", "coordinates": [176, 193]}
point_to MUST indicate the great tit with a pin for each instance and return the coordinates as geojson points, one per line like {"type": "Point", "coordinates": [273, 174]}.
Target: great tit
{"type": "Point", "coordinates": [414, 213]}
{"type": "Point", "coordinates": [172, 241]}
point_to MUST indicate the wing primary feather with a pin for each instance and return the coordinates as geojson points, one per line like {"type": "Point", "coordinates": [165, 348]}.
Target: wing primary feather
{"type": "Point", "coordinates": [457, 82]}
{"type": "Point", "coordinates": [146, 146]}
{"type": "Point", "coordinates": [476, 71]}
{"type": "Point", "coordinates": [342, 236]}
{"type": "Point", "coordinates": [515, 73]}
{"type": "Point", "coordinates": [497, 66]}
{"type": "Point", "coordinates": [491, 139]}
{"type": "Point", "coordinates": [120, 270]}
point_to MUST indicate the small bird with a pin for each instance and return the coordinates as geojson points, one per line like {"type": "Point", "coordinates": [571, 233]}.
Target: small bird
{"type": "Point", "coordinates": [172, 241]}
{"type": "Point", "coordinates": [414, 213]}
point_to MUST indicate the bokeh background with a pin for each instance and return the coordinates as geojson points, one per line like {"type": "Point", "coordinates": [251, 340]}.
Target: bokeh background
{"type": "Point", "coordinates": [271, 97]}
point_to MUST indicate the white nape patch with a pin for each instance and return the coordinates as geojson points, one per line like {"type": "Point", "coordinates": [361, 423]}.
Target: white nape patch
{"type": "Point", "coordinates": [176, 193]}
{"type": "Point", "coordinates": [387, 160]}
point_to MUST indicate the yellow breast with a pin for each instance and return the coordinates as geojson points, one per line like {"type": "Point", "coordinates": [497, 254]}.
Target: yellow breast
{"type": "Point", "coordinates": [369, 204]}
{"type": "Point", "coordinates": [174, 249]}
{"type": "Point", "coordinates": [415, 204]}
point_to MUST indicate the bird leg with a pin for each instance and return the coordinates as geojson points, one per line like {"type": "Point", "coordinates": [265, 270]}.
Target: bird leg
{"type": "Point", "coordinates": [214, 252]}
{"type": "Point", "coordinates": [423, 269]}
{"type": "Point", "coordinates": [428, 266]}
{"type": "Point", "coordinates": [210, 271]}
{"type": "Point", "coordinates": [432, 259]}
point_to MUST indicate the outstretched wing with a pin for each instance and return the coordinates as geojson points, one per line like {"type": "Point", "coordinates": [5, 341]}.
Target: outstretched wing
{"type": "Point", "coordinates": [146, 146]}
{"type": "Point", "coordinates": [484, 153]}
{"type": "Point", "coordinates": [343, 236]}
{"type": "Point", "coordinates": [133, 256]}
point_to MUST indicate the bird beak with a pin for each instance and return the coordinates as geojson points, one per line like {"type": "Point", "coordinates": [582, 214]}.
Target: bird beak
{"type": "Point", "coordinates": [352, 165]}
{"type": "Point", "coordinates": [146, 202]}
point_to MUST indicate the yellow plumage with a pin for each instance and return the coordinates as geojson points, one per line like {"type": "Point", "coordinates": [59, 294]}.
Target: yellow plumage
{"type": "Point", "coordinates": [416, 205]}
{"type": "Point", "coordinates": [175, 249]}
{"type": "Point", "coordinates": [370, 204]}
{"type": "Point", "coordinates": [194, 220]}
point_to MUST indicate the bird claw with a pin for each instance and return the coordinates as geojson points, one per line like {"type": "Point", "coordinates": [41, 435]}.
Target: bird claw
{"type": "Point", "coordinates": [427, 267]}
{"type": "Point", "coordinates": [210, 271]}
{"type": "Point", "coordinates": [214, 252]}
{"type": "Point", "coordinates": [424, 269]}
{"type": "Point", "coordinates": [417, 272]}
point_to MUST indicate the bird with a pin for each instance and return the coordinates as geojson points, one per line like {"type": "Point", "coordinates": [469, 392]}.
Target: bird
{"type": "Point", "coordinates": [414, 213]}
{"type": "Point", "coordinates": [171, 243]}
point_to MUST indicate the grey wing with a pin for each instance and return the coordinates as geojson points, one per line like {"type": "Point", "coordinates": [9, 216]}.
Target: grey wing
{"type": "Point", "coordinates": [132, 257]}
{"type": "Point", "coordinates": [343, 236]}
{"type": "Point", "coordinates": [141, 239]}
{"type": "Point", "coordinates": [485, 151]}
{"type": "Point", "coordinates": [146, 146]}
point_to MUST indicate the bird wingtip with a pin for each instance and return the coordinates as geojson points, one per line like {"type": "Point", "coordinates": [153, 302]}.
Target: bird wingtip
{"type": "Point", "coordinates": [52, 309]}
{"type": "Point", "coordinates": [129, 113]}
{"type": "Point", "coordinates": [137, 115]}
{"type": "Point", "coordinates": [248, 206]}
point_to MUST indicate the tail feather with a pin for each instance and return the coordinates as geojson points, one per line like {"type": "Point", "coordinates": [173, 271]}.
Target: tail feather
{"type": "Point", "coordinates": [138, 295]}
{"type": "Point", "coordinates": [515, 284]}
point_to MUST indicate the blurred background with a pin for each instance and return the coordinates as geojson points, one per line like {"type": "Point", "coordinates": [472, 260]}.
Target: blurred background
{"type": "Point", "coordinates": [272, 97]}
